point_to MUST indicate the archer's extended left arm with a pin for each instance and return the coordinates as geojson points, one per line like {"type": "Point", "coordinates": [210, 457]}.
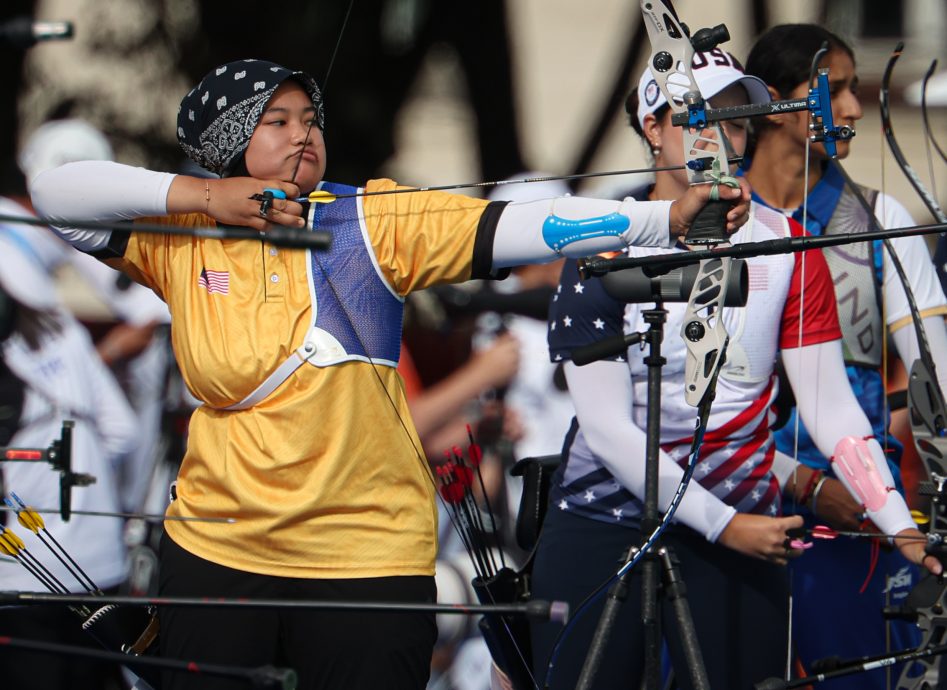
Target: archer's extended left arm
{"type": "Point", "coordinates": [534, 231]}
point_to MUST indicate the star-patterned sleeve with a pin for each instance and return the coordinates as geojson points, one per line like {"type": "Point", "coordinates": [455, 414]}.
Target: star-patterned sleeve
{"type": "Point", "coordinates": [581, 313]}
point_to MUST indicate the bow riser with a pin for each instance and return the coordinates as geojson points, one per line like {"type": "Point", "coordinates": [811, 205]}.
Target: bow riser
{"type": "Point", "coordinates": [672, 56]}
{"type": "Point", "coordinates": [706, 158]}
{"type": "Point", "coordinates": [926, 407]}
{"type": "Point", "coordinates": [703, 330]}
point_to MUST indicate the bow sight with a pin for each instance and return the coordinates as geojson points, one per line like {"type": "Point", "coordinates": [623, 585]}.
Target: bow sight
{"type": "Point", "coordinates": [818, 103]}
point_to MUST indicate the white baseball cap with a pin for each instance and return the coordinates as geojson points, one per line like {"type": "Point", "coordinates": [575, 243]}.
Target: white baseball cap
{"type": "Point", "coordinates": [62, 141]}
{"type": "Point", "coordinates": [714, 71]}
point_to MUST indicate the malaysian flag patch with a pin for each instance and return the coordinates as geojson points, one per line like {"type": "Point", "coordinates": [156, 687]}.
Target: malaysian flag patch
{"type": "Point", "coordinates": [214, 281]}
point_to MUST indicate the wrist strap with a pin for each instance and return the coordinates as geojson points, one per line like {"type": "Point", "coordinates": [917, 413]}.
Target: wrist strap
{"type": "Point", "coordinates": [815, 494]}
{"type": "Point", "coordinates": [807, 492]}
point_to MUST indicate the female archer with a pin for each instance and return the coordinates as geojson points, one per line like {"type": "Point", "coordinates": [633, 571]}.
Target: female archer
{"type": "Point", "coordinates": [730, 538]}
{"type": "Point", "coordinates": [303, 434]}
{"type": "Point", "coordinates": [837, 610]}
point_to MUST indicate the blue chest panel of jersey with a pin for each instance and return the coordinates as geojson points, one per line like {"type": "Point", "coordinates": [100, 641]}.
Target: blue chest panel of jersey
{"type": "Point", "coordinates": [348, 292]}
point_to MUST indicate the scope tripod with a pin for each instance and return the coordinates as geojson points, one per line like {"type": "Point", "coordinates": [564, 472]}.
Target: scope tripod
{"type": "Point", "coordinates": [658, 567]}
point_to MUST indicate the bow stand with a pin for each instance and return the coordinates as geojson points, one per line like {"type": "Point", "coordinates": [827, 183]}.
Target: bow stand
{"type": "Point", "coordinates": [634, 286]}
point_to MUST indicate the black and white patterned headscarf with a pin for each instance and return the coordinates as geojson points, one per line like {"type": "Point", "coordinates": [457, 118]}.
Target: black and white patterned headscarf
{"type": "Point", "coordinates": [217, 117]}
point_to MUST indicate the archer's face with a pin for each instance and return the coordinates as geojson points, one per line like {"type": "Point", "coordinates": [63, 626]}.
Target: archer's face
{"type": "Point", "coordinates": [846, 108]}
{"type": "Point", "coordinates": [279, 140]}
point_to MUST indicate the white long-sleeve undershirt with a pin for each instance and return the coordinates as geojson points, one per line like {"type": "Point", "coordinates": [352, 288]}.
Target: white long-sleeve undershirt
{"type": "Point", "coordinates": [830, 412]}
{"type": "Point", "coordinates": [905, 340]}
{"type": "Point", "coordinates": [825, 400]}
{"type": "Point", "coordinates": [98, 191]}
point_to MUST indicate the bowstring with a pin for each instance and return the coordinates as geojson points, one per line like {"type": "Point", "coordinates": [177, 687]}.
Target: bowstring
{"type": "Point", "coordinates": [325, 86]}
{"type": "Point", "coordinates": [799, 342]}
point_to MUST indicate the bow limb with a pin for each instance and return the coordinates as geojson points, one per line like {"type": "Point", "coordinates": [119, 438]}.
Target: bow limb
{"type": "Point", "coordinates": [906, 168]}
{"type": "Point", "coordinates": [928, 132]}
{"type": "Point", "coordinates": [706, 159]}
{"type": "Point", "coordinates": [927, 414]}
{"type": "Point", "coordinates": [925, 399]}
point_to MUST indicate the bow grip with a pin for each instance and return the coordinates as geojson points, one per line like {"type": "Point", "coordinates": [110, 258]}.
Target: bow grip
{"type": "Point", "coordinates": [710, 224]}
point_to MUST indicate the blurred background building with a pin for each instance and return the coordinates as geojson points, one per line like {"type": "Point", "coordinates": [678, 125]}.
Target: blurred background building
{"type": "Point", "coordinates": [432, 92]}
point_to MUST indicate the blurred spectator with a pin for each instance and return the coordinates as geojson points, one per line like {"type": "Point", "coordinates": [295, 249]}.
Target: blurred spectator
{"type": "Point", "coordinates": [135, 345]}
{"type": "Point", "coordinates": [51, 356]}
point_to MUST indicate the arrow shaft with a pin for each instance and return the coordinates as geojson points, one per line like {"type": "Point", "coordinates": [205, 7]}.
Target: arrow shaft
{"type": "Point", "coordinates": [74, 569]}
{"type": "Point", "coordinates": [504, 183]}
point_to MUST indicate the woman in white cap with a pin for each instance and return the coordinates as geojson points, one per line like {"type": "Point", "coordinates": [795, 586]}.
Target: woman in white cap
{"type": "Point", "coordinates": [729, 538]}
{"type": "Point", "coordinates": [841, 588]}
{"type": "Point", "coordinates": [304, 433]}
{"type": "Point", "coordinates": [50, 373]}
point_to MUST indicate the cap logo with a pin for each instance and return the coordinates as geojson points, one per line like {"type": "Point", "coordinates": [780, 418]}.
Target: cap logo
{"type": "Point", "coordinates": [651, 93]}
{"type": "Point", "coordinates": [715, 57]}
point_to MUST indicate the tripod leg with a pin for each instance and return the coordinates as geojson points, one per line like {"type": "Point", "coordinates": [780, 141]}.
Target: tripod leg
{"type": "Point", "coordinates": [675, 592]}
{"type": "Point", "coordinates": [651, 619]}
{"type": "Point", "coordinates": [617, 594]}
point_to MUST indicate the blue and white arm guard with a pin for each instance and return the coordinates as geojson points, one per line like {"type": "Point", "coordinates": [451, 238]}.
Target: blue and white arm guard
{"type": "Point", "coordinates": [545, 230]}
